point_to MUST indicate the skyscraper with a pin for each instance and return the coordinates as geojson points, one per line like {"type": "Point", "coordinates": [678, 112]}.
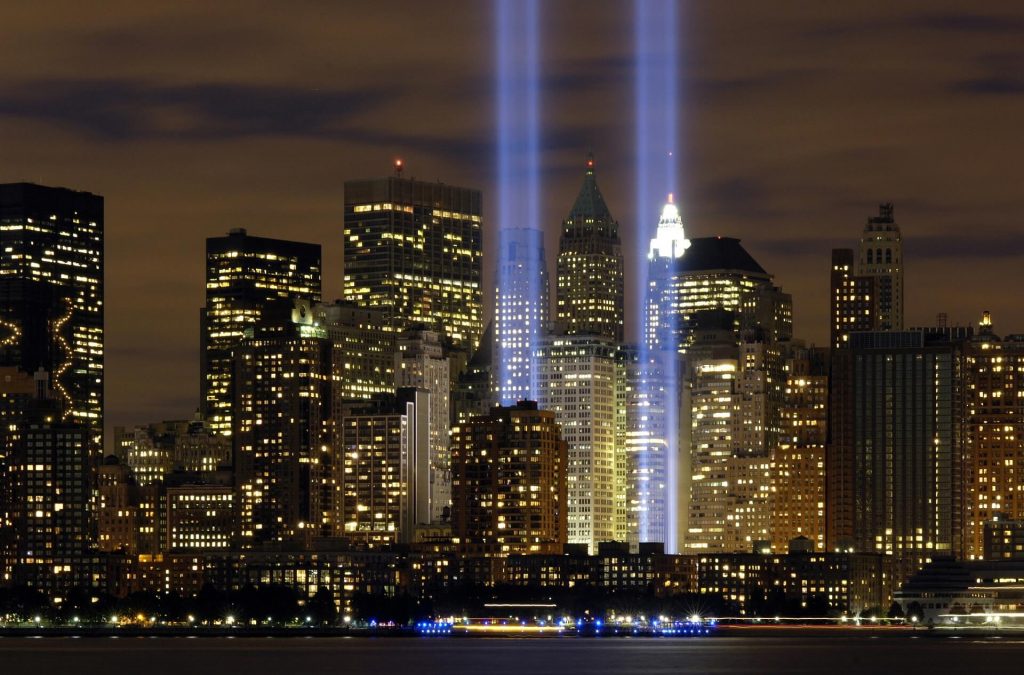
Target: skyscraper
{"type": "Point", "coordinates": [521, 313]}
{"type": "Point", "coordinates": [727, 392]}
{"type": "Point", "coordinates": [895, 451]}
{"type": "Point", "coordinates": [798, 458]}
{"type": "Point", "coordinates": [48, 541]}
{"type": "Point", "coordinates": [420, 362]}
{"type": "Point", "coordinates": [385, 478]}
{"type": "Point", "coordinates": [51, 288]}
{"type": "Point", "coordinates": [363, 347]}
{"type": "Point", "coordinates": [881, 256]}
{"type": "Point", "coordinates": [283, 457]}
{"type": "Point", "coordinates": [414, 249]}
{"type": "Point", "coordinates": [509, 482]}
{"type": "Point", "coordinates": [577, 381]}
{"type": "Point", "coordinates": [243, 275]}
{"type": "Point", "coordinates": [994, 434]}
{"type": "Point", "coordinates": [867, 292]}
{"type": "Point", "coordinates": [714, 273]}
{"type": "Point", "coordinates": [654, 400]}
{"type": "Point", "coordinates": [590, 267]}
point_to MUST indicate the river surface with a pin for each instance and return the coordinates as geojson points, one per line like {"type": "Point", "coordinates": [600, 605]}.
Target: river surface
{"type": "Point", "coordinates": [506, 656]}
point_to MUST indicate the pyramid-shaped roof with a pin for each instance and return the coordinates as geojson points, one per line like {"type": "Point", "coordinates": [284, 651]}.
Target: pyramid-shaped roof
{"type": "Point", "coordinates": [589, 202]}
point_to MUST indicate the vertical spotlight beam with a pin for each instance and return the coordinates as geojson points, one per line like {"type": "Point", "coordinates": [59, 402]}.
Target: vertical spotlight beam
{"type": "Point", "coordinates": [521, 290]}
{"type": "Point", "coordinates": [656, 119]}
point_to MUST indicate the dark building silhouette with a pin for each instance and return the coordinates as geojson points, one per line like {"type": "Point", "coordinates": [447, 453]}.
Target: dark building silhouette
{"type": "Point", "coordinates": [894, 460]}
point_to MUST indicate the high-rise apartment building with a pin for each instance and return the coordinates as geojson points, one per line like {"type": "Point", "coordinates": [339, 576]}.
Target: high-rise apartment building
{"type": "Point", "coordinates": [521, 313]}
{"type": "Point", "coordinates": [414, 250]}
{"type": "Point", "coordinates": [243, 275]}
{"type": "Point", "coordinates": [797, 505]}
{"type": "Point", "coordinates": [994, 435]}
{"type": "Point", "coordinates": [577, 379]}
{"type": "Point", "coordinates": [51, 295]}
{"type": "Point", "coordinates": [867, 288]}
{"type": "Point", "coordinates": [385, 478]}
{"type": "Point", "coordinates": [420, 362]}
{"type": "Point", "coordinates": [727, 403]}
{"type": "Point", "coordinates": [895, 451]}
{"type": "Point", "coordinates": [590, 279]}
{"type": "Point", "coordinates": [509, 482]}
{"type": "Point", "coordinates": [363, 350]}
{"type": "Point", "coordinates": [48, 476]}
{"type": "Point", "coordinates": [283, 457]}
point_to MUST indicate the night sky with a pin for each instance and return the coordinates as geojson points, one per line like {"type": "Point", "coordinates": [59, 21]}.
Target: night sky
{"type": "Point", "coordinates": [798, 119]}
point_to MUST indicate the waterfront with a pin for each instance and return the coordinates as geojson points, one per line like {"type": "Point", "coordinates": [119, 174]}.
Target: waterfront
{"type": "Point", "coordinates": [508, 656]}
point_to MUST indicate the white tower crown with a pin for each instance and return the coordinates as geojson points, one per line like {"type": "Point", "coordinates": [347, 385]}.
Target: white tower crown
{"type": "Point", "coordinates": [670, 240]}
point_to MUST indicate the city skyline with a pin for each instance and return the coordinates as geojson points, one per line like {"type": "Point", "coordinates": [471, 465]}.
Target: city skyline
{"type": "Point", "coordinates": [643, 318]}
{"type": "Point", "coordinates": [794, 133]}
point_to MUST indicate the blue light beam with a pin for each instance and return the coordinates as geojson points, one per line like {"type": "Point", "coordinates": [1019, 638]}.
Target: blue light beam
{"type": "Point", "coordinates": [521, 289]}
{"type": "Point", "coordinates": [655, 448]}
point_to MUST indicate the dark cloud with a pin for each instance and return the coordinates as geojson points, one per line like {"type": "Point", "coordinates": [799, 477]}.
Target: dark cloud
{"type": "Point", "coordinates": [126, 110]}
{"type": "Point", "coordinates": [798, 118]}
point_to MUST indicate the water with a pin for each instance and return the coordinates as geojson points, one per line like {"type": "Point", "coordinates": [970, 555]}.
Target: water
{"type": "Point", "coordinates": [411, 656]}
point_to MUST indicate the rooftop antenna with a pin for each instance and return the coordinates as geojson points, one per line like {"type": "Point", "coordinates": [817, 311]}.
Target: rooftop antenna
{"type": "Point", "coordinates": [399, 165]}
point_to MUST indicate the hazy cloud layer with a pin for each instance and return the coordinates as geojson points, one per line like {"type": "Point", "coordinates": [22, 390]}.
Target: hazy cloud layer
{"type": "Point", "coordinates": [798, 119]}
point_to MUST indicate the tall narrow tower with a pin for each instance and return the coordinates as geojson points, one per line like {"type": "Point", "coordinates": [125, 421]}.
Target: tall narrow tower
{"type": "Point", "coordinates": [881, 256]}
{"type": "Point", "coordinates": [520, 315]}
{"type": "Point", "coordinates": [590, 267]}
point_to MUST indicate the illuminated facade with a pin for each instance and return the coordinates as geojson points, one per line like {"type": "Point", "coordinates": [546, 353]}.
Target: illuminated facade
{"type": "Point", "coordinates": [521, 313]}
{"type": "Point", "coordinates": [577, 381]}
{"type": "Point", "coordinates": [243, 274]}
{"type": "Point", "coordinates": [414, 250]}
{"type": "Point", "coordinates": [363, 350]}
{"type": "Point", "coordinates": [994, 424]}
{"type": "Point", "coordinates": [152, 451]}
{"type": "Point", "coordinates": [283, 457]}
{"type": "Point", "coordinates": [797, 505]}
{"type": "Point", "coordinates": [385, 478]}
{"type": "Point", "coordinates": [654, 401]}
{"type": "Point", "coordinates": [716, 273]}
{"type": "Point", "coordinates": [895, 450]}
{"type": "Point", "coordinates": [867, 290]}
{"type": "Point", "coordinates": [420, 362]}
{"type": "Point", "coordinates": [727, 403]}
{"type": "Point", "coordinates": [51, 284]}
{"type": "Point", "coordinates": [509, 483]}
{"type": "Point", "coordinates": [48, 476]}
{"type": "Point", "coordinates": [590, 267]}
{"type": "Point", "coordinates": [200, 518]}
